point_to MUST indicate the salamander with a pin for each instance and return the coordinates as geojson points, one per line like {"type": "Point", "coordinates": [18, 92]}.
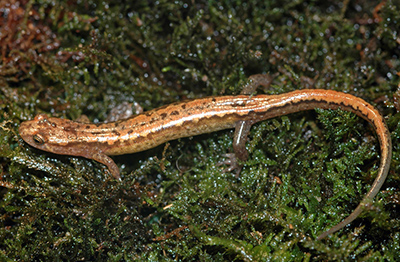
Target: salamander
{"type": "Point", "coordinates": [199, 116]}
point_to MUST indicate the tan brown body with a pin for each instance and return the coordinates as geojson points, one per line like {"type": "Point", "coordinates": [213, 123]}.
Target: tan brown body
{"type": "Point", "coordinates": [185, 119]}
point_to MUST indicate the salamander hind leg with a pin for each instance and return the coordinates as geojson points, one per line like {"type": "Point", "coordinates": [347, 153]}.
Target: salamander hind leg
{"type": "Point", "coordinates": [240, 154]}
{"type": "Point", "coordinates": [242, 128]}
{"type": "Point", "coordinates": [255, 81]}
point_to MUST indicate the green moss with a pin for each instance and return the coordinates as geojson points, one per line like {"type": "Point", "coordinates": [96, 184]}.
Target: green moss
{"type": "Point", "coordinates": [305, 173]}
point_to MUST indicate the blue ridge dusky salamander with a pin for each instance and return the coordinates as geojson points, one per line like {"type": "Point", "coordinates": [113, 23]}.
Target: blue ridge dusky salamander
{"type": "Point", "coordinates": [199, 116]}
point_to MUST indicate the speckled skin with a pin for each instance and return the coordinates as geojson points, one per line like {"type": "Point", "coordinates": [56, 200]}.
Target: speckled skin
{"type": "Point", "coordinates": [190, 118]}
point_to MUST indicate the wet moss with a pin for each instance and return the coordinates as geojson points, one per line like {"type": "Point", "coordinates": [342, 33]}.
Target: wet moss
{"type": "Point", "coordinates": [305, 173]}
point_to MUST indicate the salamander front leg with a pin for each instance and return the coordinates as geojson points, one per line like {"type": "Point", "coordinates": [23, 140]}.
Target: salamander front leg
{"type": "Point", "coordinates": [123, 111]}
{"type": "Point", "coordinates": [106, 160]}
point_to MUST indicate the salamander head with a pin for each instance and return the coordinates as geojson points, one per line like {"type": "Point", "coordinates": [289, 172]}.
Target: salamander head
{"type": "Point", "coordinates": [53, 135]}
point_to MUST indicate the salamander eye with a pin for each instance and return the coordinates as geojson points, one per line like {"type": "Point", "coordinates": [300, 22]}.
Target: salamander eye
{"type": "Point", "coordinates": [38, 139]}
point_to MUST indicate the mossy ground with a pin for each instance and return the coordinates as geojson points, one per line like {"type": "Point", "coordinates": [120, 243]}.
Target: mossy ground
{"type": "Point", "coordinates": [306, 172]}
